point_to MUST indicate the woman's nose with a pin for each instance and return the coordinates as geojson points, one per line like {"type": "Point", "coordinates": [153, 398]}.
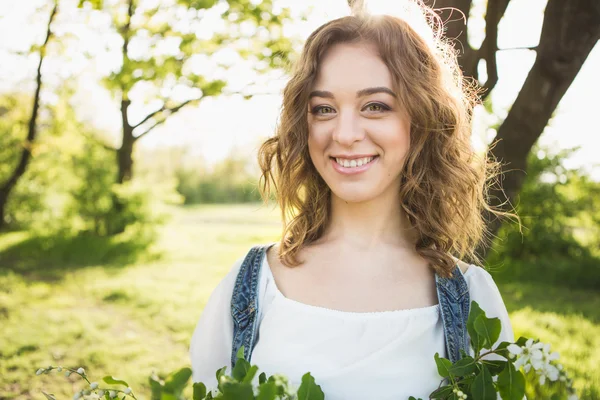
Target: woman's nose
{"type": "Point", "coordinates": [348, 129]}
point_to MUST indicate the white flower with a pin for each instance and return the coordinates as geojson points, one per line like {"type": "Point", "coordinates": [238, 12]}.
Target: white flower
{"type": "Point", "coordinates": [59, 369]}
{"type": "Point", "coordinates": [81, 371]}
{"type": "Point", "coordinates": [94, 385]}
{"type": "Point", "coordinates": [39, 371]}
{"type": "Point", "coordinates": [67, 373]}
{"type": "Point", "coordinates": [530, 353]}
{"type": "Point", "coordinates": [548, 371]}
{"type": "Point", "coordinates": [76, 396]}
{"type": "Point", "coordinates": [112, 394]}
{"type": "Point", "coordinates": [100, 393]}
{"type": "Point", "coordinates": [127, 391]}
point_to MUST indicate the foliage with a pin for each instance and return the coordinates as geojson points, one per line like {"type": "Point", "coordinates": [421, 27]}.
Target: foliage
{"type": "Point", "coordinates": [27, 199]}
{"type": "Point", "coordinates": [178, 62]}
{"type": "Point", "coordinates": [469, 377]}
{"type": "Point", "coordinates": [229, 182]}
{"type": "Point", "coordinates": [560, 209]}
{"type": "Point", "coordinates": [473, 376]}
{"type": "Point", "coordinates": [69, 185]}
{"type": "Point", "coordinates": [240, 385]}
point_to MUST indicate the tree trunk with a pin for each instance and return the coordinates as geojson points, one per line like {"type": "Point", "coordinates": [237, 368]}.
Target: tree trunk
{"type": "Point", "coordinates": [125, 152]}
{"type": "Point", "coordinates": [570, 31]}
{"type": "Point", "coordinates": [9, 185]}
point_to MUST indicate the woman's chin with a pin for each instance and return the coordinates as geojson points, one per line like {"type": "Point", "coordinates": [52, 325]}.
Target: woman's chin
{"type": "Point", "coordinates": [355, 195]}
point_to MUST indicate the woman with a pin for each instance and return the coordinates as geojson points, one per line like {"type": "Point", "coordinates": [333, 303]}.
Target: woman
{"type": "Point", "coordinates": [376, 179]}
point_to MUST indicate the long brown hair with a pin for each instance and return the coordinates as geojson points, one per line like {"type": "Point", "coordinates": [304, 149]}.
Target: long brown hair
{"type": "Point", "coordinates": [444, 184]}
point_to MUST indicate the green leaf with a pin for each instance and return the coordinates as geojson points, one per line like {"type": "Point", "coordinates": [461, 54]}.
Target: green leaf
{"type": "Point", "coordinates": [198, 4]}
{"type": "Point", "coordinates": [177, 381]}
{"type": "Point", "coordinates": [309, 390]}
{"type": "Point", "coordinates": [267, 391]}
{"type": "Point", "coordinates": [250, 374]}
{"type": "Point", "coordinates": [443, 365]}
{"type": "Point", "coordinates": [489, 329]}
{"type": "Point", "coordinates": [155, 387]}
{"type": "Point", "coordinates": [240, 370]}
{"type": "Point", "coordinates": [220, 373]}
{"type": "Point", "coordinates": [240, 353]}
{"type": "Point", "coordinates": [96, 4]}
{"type": "Point", "coordinates": [441, 393]}
{"type": "Point", "coordinates": [199, 391]}
{"type": "Point", "coordinates": [49, 396]}
{"type": "Point", "coordinates": [262, 378]}
{"type": "Point", "coordinates": [483, 385]}
{"type": "Point", "coordinates": [237, 391]}
{"type": "Point", "coordinates": [502, 349]}
{"type": "Point", "coordinates": [111, 380]}
{"type": "Point", "coordinates": [474, 313]}
{"type": "Point", "coordinates": [511, 383]}
{"type": "Point", "coordinates": [521, 341]}
{"type": "Point", "coordinates": [213, 88]}
{"type": "Point", "coordinates": [464, 366]}
{"type": "Point", "coordinates": [494, 366]}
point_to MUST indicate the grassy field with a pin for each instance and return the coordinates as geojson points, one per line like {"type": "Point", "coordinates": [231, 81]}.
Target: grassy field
{"type": "Point", "coordinates": [113, 310]}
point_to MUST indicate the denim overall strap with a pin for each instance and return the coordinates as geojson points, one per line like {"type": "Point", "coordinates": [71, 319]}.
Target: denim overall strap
{"type": "Point", "coordinates": [244, 303]}
{"type": "Point", "coordinates": [454, 300]}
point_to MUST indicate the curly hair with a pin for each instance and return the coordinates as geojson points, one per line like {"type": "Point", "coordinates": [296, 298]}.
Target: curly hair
{"type": "Point", "coordinates": [444, 184]}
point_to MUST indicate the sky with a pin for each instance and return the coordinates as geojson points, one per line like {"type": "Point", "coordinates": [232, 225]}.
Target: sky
{"type": "Point", "coordinates": [218, 126]}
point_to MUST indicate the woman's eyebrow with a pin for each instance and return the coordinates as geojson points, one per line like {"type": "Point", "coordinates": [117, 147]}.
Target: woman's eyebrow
{"type": "Point", "coordinates": [373, 90]}
{"type": "Point", "coordinates": [361, 93]}
{"type": "Point", "coordinates": [321, 93]}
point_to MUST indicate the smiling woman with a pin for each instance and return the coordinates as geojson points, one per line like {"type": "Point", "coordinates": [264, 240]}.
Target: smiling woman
{"type": "Point", "coordinates": [381, 196]}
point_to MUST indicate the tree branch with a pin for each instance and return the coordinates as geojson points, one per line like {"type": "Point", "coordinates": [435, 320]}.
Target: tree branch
{"type": "Point", "coordinates": [454, 15]}
{"type": "Point", "coordinates": [168, 111]}
{"type": "Point", "coordinates": [32, 126]}
{"type": "Point", "coordinates": [173, 110]}
{"type": "Point", "coordinates": [98, 141]}
{"type": "Point", "coordinates": [488, 52]}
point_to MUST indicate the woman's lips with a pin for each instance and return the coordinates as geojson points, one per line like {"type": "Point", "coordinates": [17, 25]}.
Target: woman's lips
{"type": "Point", "coordinates": [353, 170]}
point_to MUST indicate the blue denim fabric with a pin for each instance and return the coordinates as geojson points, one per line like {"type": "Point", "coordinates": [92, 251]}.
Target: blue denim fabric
{"type": "Point", "coordinates": [453, 297]}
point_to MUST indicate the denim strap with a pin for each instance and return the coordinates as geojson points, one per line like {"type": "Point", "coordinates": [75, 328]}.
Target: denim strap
{"type": "Point", "coordinates": [244, 303]}
{"type": "Point", "coordinates": [454, 300]}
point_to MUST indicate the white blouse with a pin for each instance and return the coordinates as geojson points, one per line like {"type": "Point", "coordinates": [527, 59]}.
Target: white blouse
{"type": "Point", "coordinates": [349, 354]}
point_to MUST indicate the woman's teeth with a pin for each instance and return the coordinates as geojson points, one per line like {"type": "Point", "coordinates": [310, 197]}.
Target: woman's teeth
{"type": "Point", "coordinates": [357, 162]}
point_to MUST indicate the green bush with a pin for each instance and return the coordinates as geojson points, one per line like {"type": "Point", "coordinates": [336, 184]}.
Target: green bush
{"type": "Point", "coordinates": [229, 182]}
{"type": "Point", "coordinates": [560, 212]}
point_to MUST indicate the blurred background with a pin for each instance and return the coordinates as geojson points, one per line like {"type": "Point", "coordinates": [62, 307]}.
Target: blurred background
{"type": "Point", "coordinates": [128, 173]}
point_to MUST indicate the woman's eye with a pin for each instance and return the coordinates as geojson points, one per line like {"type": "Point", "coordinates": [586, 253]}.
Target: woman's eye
{"type": "Point", "coordinates": [376, 107]}
{"type": "Point", "coordinates": [323, 110]}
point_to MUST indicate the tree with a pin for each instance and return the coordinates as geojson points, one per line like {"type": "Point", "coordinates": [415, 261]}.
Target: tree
{"type": "Point", "coordinates": [569, 32]}
{"type": "Point", "coordinates": [253, 30]}
{"type": "Point", "coordinates": [32, 128]}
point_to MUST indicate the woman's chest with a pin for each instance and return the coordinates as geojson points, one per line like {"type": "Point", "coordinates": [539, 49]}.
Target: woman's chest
{"type": "Point", "coordinates": [352, 354]}
{"type": "Point", "coordinates": [358, 288]}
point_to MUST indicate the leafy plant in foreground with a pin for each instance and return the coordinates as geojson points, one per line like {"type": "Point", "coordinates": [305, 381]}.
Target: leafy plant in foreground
{"type": "Point", "coordinates": [477, 378]}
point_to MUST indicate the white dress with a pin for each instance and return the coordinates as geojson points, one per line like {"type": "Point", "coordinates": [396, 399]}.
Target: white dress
{"type": "Point", "coordinates": [349, 354]}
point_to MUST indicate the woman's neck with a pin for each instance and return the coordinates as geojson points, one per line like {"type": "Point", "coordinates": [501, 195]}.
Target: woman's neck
{"type": "Point", "coordinates": [368, 224]}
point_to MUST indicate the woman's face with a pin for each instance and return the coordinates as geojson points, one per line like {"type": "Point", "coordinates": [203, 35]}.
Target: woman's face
{"type": "Point", "coordinates": [358, 134]}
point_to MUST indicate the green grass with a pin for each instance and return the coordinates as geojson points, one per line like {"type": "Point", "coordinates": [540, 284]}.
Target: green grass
{"type": "Point", "coordinates": [115, 309]}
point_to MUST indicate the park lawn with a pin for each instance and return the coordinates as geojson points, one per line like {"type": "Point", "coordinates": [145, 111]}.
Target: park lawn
{"type": "Point", "coordinates": [129, 319]}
